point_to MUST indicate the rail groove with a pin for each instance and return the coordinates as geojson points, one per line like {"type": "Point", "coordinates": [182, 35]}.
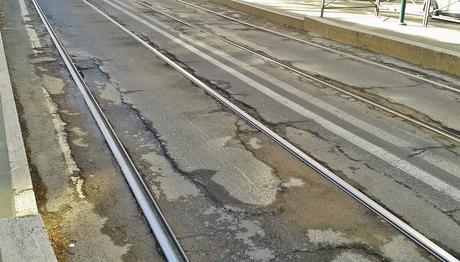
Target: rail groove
{"type": "Point", "coordinates": [157, 222]}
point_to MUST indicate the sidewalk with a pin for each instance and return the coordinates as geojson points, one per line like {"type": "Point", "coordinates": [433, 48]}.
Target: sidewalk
{"type": "Point", "coordinates": [436, 46]}
{"type": "Point", "coordinates": [22, 233]}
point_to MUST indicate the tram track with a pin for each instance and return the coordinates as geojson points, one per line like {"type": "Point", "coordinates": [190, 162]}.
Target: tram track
{"type": "Point", "coordinates": [421, 123]}
{"type": "Point", "coordinates": [161, 229]}
{"type": "Point", "coordinates": [349, 55]}
{"type": "Point", "coordinates": [163, 233]}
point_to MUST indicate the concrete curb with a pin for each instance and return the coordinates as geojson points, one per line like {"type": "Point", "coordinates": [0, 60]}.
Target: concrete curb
{"type": "Point", "coordinates": [277, 17]}
{"type": "Point", "coordinates": [440, 59]}
{"type": "Point", "coordinates": [23, 192]}
{"type": "Point", "coordinates": [23, 237]}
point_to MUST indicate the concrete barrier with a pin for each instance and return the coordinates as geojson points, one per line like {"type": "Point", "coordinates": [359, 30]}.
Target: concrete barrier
{"type": "Point", "coordinates": [436, 58]}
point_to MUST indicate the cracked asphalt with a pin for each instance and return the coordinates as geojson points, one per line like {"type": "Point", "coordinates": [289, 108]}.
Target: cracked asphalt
{"type": "Point", "coordinates": [229, 193]}
{"type": "Point", "coordinates": [87, 207]}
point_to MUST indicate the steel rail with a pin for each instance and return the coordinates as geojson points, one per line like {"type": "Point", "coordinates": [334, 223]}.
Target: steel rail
{"type": "Point", "coordinates": [403, 227]}
{"type": "Point", "coordinates": [421, 123]}
{"type": "Point", "coordinates": [450, 88]}
{"type": "Point", "coordinates": [156, 220]}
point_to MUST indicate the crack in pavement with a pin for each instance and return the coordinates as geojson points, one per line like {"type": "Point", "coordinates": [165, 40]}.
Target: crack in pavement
{"type": "Point", "coordinates": [348, 247]}
{"type": "Point", "coordinates": [149, 127]}
{"type": "Point", "coordinates": [419, 151]}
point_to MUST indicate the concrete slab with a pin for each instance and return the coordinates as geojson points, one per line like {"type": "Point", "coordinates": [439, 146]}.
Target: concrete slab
{"type": "Point", "coordinates": [24, 239]}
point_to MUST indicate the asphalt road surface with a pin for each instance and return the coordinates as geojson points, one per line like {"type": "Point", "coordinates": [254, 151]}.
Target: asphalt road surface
{"type": "Point", "coordinates": [228, 191]}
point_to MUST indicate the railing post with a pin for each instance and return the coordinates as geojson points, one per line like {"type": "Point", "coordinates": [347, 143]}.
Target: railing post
{"type": "Point", "coordinates": [402, 12]}
{"type": "Point", "coordinates": [323, 2]}
{"type": "Point", "coordinates": [426, 14]}
{"type": "Point", "coordinates": [377, 7]}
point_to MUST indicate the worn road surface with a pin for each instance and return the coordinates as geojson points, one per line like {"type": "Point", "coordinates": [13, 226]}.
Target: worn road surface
{"type": "Point", "coordinates": [229, 193]}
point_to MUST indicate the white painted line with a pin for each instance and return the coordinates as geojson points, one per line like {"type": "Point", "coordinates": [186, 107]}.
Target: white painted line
{"type": "Point", "coordinates": [34, 40]}
{"type": "Point", "coordinates": [61, 134]}
{"type": "Point", "coordinates": [23, 192]}
{"type": "Point", "coordinates": [59, 128]}
{"type": "Point", "coordinates": [375, 150]}
{"type": "Point", "coordinates": [394, 69]}
{"type": "Point", "coordinates": [59, 125]}
{"type": "Point", "coordinates": [444, 164]}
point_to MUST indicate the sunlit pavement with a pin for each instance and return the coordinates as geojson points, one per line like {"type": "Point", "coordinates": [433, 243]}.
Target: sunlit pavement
{"type": "Point", "coordinates": [438, 33]}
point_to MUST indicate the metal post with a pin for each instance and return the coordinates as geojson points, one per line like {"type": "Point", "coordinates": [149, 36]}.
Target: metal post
{"type": "Point", "coordinates": [377, 7]}
{"type": "Point", "coordinates": [426, 14]}
{"type": "Point", "coordinates": [323, 2]}
{"type": "Point", "coordinates": [402, 12]}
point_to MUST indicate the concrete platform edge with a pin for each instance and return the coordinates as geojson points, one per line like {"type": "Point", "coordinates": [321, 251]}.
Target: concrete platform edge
{"type": "Point", "coordinates": [25, 239]}
{"type": "Point", "coordinates": [24, 198]}
{"type": "Point", "coordinates": [439, 59]}
{"type": "Point", "coordinates": [277, 17]}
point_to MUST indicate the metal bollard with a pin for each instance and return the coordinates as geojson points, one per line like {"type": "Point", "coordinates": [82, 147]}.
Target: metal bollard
{"type": "Point", "coordinates": [402, 12]}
